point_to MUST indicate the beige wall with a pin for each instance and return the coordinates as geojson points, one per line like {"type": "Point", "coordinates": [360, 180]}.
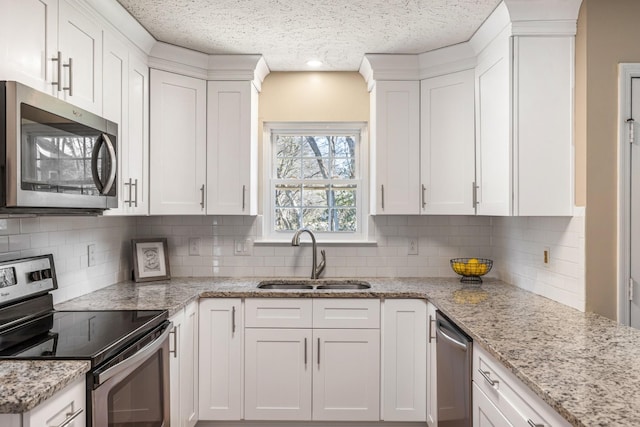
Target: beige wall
{"type": "Point", "coordinates": [608, 34]}
{"type": "Point", "coordinates": [314, 96]}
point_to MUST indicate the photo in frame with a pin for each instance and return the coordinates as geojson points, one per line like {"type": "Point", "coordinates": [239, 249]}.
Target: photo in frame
{"type": "Point", "coordinates": [150, 259]}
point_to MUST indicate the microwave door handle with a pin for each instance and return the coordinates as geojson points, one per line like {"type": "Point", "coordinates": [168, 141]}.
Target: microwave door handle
{"type": "Point", "coordinates": [114, 164]}
{"type": "Point", "coordinates": [139, 356]}
{"type": "Point", "coordinates": [103, 188]}
{"type": "Point", "coordinates": [94, 164]}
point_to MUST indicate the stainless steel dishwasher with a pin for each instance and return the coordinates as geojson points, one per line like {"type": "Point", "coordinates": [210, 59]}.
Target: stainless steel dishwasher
{"type": "Point", "coordinates": [454, 352]}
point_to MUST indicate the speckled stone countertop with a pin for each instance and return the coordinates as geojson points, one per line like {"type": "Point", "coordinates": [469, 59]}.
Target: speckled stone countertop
{"type": "Point", "coordinates": [25, 384]}
{"type": "Point", "coordinates": [585, 366]}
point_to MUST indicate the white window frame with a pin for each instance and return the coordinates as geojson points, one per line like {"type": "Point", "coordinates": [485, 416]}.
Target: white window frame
{"type": "Point", "coordinates": [362, 196]}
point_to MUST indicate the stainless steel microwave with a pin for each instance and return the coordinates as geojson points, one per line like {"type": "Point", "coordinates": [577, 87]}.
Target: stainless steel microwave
{"type": "Point", "coordinates": [54, 157]}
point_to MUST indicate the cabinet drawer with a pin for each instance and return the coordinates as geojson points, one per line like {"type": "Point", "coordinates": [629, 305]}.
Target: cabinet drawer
{"type": "Point", "coordinates": [514, 399]}
{"type": "Point", "coordinates": [278, 313]}
{"type": "Point", "coordinates": [63, 406]}
{"type": "Point", "coordinates": [346, 313]}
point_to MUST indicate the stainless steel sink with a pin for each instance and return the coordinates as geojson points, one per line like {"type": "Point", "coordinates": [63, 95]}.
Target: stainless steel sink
{"type": "Point", "coordinates": [344, 284]}
{"type": "Point", "coordinates": [314, 284]}
{"type": "Point", "coordinates": [280, 284]}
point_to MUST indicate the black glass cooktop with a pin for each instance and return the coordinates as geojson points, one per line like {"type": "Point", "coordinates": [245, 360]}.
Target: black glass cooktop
{"type": "Point", "coordinates": [89, 335]}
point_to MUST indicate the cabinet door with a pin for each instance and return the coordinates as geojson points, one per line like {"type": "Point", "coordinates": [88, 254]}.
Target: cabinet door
{"type": "Point", "coordinates": [493, 128]}
{"type": "Point", "coordinates": [115, 106]}
{"type": "Point", "coordinates": [28, 41]}
{"type": "Point", "coordinates": [485, 414]}
{"type": "Point", "coordinates": [178, 138]}
{"type": "Point", "coordinates": [447, 148]}
{"type": "Point", "coordinates": [346, 379]}
{"type": "Point", "coordinates": [80, 41]}
{"type": "Point", "coordinates": [175, 373]}
{"type": "Point", "coordinates": [278, 374]}
{"type": "Point", "coordinates": [188, 355]}
{"type": "Point", "coordinates": [232, 148]}
{"type": "Point", "coordinates": [60, 408]}
{"type": "Point", "coordinates": [220, 359]}
{"type": "Point", "coordinates": [395, 147]}
{"type": "Point", "coordinates": [404, 394]}
{"type": "Point", "coordinates": [136, 150]}
{"type": "Point", "coordinates": [432, 369]}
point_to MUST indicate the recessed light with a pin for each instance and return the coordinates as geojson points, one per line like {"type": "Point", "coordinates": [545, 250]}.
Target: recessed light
{"type": "Point", "coordinates": [314, 63]}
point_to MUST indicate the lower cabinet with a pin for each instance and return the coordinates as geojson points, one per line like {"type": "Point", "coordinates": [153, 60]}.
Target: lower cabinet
{"type": "Point", "coordinates": [432, 369]}
{"type": "Point", "coordinates": [65, 408]}
{"type": "Point", "coordinates": [183, 367]}
{"type": "Point", "coordinates": [501, 399]}
{"type": "Point", "coordinates": [313, 359]}
{"type": "Point", "coordinates": [220, 359]}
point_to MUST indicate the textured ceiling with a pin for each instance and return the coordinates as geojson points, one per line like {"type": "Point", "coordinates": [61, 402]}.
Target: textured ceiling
{"type": "Point", "coordinates": [290, 32]}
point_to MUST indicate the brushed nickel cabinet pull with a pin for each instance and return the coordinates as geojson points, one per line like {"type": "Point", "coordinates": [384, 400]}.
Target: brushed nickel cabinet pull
{"type": "Point", "coordinates": [532, 424]}
{"type": "Point", "coordinates": [69, 65]}
{"type": "Point", "coordinates": [58, 83]}
{"type": "Point", "coordinates": [202, 196]}
{"type": "Point", "coordinates": [382, 186]}
{"type": "Point", "coordinates": [305, 352]}
{"type": "Point", "coordinates": [244, 192]}
{"type": "Point", "coordinates": [233, 319]}
{"type": "Point", "coordinates": [175, 342]}
{"type": "Point", "coordinates": [424, 198]}
{"type": "Point", "coordinates": [70, 417]}
{"type": "Point", "coordinates": [432, 321]}
{"type": "Point", "coordinates": [318, 352]}
{"type": "Point", "coordinates": [128, 202]}
{"type": "Point", "coordinates": [135, 202]}
{"type": "Point", "coordinates": [486, 376]}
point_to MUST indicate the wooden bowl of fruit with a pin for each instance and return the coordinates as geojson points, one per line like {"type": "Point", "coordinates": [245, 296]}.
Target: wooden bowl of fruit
{"type": "Point", "coordinates": [471, 269]}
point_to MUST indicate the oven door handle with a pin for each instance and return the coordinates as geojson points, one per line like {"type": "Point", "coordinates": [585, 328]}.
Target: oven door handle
{"type": "Point", "coordinates": [138, 357]}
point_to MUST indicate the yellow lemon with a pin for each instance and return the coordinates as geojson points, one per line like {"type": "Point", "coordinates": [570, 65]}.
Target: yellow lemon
{"type": "Point", "coordinates": [482, 269]}
{"type": "Point", "coordinates": [473, 261]}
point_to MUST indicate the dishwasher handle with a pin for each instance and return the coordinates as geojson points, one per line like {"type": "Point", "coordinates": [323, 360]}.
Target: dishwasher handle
{"type": "Point", "coordinates": [440, 332]}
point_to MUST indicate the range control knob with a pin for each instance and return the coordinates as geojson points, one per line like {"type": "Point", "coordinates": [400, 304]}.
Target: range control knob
{"type": "Point", "coordinates": [36, 276]}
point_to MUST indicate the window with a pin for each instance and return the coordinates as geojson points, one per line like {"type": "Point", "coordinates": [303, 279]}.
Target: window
{"type": "Point", "coordinates": [315, 180]}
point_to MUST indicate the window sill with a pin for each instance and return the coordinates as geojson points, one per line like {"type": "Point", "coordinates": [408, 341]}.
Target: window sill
{"type": "Point", "coordinates": [287, 242]}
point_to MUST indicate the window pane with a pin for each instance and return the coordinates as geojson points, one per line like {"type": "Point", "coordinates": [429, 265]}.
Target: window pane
{"type": "Point", "coordinates": [288, 146]}
{"type": "Point", "coordinates": [316, 168]}
{"type": "Point", "coordinates": [343, 168]}
{"type": "Point", "coordinates": [344, 196]}
{"type": "Point", "coordinates": [314, 196]}
{"type": "Point", "coordinates": [344, 146]}
{"type": "Point", "coordinates": [316, 219]}
{"type": "Point", "coordinates": [288, 195]}
{"type": "Point", "coordinates": [344, 220]}
{"type": "Point", "coordinates": [315, 146]}
{"type": "Point", "coordinates": [287, 219]}
{"type": "Point", "coordinates": [288, 168]}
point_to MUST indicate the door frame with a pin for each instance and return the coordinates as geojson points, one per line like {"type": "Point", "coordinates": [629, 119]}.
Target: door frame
{"type": "Point", "coordinates": [626, 71]}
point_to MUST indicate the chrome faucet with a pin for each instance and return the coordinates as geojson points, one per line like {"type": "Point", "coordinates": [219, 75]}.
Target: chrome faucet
{"type": "Point", "coordinates": [316, 271]}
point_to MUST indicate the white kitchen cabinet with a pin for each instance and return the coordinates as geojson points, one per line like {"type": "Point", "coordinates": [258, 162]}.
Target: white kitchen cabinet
{"type": "Point", "coordinates": [524, 126]}
{"type": "Point", "coordinates": [346, 377]}
{"type": "Point", "coordinates": [28, 41]}
{"type": "Point", "coordinates": [221, 359]}
{"type": "Point", "coordinates": [447, 144]}
{"type": "Point", "coordinates": [278, 370]}
{"type": "Point", "coordinates": [485, 413]}
{"type": "Point", "coordinates": [432, 369]}
{"type": "Point", "coordinates": [404, 353]}
{"type": "Point", "coordinates": [80, 42]}
{"type": "Point", "coordinates": [515, 402]}
{"type": "Point", "coordinates": [33, 32]}
{"type": "Point", "coordinates": [395, 147]}
{"type": "Point", "coordinates": [183, 367]}
{"type": "Point", "coordinates": [69, 404]}
{"type": "Point", "coordinates": [232, 148]}
{"type": "Point", "coordinates": [312, 359]}
{"type": "Point", "coordinates": [126, 102]}
{"type": "Point", "coordinates": [178, 144]}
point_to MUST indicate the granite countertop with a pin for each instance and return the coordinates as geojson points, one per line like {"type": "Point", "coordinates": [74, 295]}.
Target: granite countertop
{"type": "Point", "coordinates": [25, 384]}
{"type": "Point", "coordinates": [583, 365]}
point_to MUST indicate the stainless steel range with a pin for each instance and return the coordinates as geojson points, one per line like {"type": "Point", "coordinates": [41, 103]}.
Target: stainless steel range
{"type": "Point", "coordinates": [128, 384]}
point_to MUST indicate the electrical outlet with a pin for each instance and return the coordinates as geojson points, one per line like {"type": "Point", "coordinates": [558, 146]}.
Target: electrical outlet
{"type": "Point", "coordinates": [91, 252]}
{"type": "Point", "coordinates": [194, 246]}
{"type": "Point", "coordinates": [242, 247]}
{"type": "Point", "coordinates": [413, 247]}
{"type": "Point", "coordinates": [546, 256]}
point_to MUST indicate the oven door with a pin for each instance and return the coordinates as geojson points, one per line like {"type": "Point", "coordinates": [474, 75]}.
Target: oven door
{"type": "Point", "coordinates": [135, 391]}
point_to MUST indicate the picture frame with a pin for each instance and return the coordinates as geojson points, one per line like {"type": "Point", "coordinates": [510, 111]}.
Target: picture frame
{"type": "Point", "coordinates": [150, 259]}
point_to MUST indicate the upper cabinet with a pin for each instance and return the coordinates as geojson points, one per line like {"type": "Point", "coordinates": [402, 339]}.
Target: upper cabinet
{"type": "Point", "coordinates": [496, 119]}
{"type": "Point", "coordinates": [232, 148]}
{"type": "Point", "coordinates": [178, 144]}
{"type": "Point", "coordinates": [447, 144]}
{"type": "Point", "coordinates": [53, 46]}
{"type": "Point", "coordinates": [395, 152]}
